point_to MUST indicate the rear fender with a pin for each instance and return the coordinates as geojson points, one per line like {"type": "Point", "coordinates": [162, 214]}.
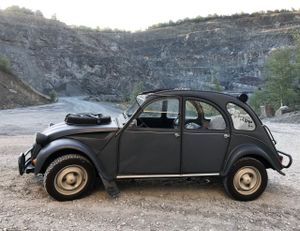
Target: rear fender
{"type": "Point", "coordinates": [250, 150]}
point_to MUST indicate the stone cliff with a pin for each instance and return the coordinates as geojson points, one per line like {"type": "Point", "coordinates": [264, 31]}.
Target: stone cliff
{"type": "Point", "coordinates": [231, 50]}
{"type": "Point", "coordinates": [48, 55]}
{"type": "Point", "coordinates": [227, 50]}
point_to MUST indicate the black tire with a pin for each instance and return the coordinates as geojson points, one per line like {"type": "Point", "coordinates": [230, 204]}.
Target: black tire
{"type": "Point", "coordinates": [246, 180]}
{"type": "Point", "coordinates": [69, 177]}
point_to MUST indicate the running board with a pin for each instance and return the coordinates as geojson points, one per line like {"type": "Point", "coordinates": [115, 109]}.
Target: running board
{"type": "Point", "coordinates": [167, 175]}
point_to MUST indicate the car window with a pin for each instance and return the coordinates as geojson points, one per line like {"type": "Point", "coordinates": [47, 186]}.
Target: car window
{"type": "Point", "coordinates": [153, 110]}
{"type": "Point", "coordinates": [162, 113]}
{"type": "Point", "coordinates": [240, 118]}
{"type": "Point", "coordinates": [190, 111]}
{"type": "Point", "coordinates": [173, 109]}
{"type": "Point", "coordinates": [200, 115]}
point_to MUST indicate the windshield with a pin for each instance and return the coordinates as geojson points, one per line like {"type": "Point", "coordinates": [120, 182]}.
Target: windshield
{"type": "Point", "coordinates": [140, 99]}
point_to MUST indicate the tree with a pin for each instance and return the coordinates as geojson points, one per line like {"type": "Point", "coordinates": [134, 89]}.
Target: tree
{"type": "Point", "coordinates": [217, 85]}
{"type": "Point", "coordinates": [138, 88]}
{"type": "Point", "coordinates": [282, 76]}
{"type": "Point", "coordinates": [39, 13]}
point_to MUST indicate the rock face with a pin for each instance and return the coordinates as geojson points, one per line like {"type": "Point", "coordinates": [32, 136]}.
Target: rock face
{"type": "Point", "coordinates": [230, 50]}
{"type": "Point", "coordinates": [48, 55]}
{"type": "Point", "coordinates": [15, 93]}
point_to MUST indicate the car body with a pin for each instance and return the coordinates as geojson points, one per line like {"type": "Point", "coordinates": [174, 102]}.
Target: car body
{"type": "Point", "coordinates": [166, 133]}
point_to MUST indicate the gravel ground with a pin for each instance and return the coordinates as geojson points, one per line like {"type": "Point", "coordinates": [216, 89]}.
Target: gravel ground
{"type": "Point", "coordinates": [177, 204]}
{"type": "Point", "coordinates": [291, 117]}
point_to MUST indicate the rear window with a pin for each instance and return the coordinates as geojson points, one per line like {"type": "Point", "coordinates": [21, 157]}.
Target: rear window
{"type": "Point", "coordinates": [240, 118]}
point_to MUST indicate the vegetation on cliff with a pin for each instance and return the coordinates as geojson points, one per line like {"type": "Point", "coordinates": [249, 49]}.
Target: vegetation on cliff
{"type": "Point", "coordinates": [16, 10]}
{"type": "Point", "coordinates": [5, 65]}
{"type": "Point", "coordinates": [216, 16]}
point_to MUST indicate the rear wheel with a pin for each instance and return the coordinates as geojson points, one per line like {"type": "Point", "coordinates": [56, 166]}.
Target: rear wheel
{"type": "Point", "coordinates": [69, 177]}
{"type": "Point", "coordinates": [246, 180]}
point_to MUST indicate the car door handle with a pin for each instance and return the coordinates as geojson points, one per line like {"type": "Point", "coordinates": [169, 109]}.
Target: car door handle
{"type": "Point", "coordinates": [176, 134]}
{"type": "Point", "coordinates": [226, 136]}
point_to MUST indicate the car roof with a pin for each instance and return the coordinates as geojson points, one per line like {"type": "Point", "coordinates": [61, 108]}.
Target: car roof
{"type": "Point", "coordinates": [211, 95]}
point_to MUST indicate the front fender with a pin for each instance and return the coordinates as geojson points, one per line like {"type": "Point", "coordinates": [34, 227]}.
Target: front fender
{"type": "Point", "coordinates": [67, 144]}
{"type": "Point", "coordinates": [249, 150]}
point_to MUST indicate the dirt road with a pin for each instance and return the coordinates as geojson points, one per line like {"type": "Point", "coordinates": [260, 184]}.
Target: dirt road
{"type": "Point", "coordinates": [177, 204]}
{"type": "Point", "coordinates": [32, 119]}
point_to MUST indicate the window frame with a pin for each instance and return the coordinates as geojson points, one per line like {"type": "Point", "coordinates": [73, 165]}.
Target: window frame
{"type": "Point", "coordinates": [150, 101]}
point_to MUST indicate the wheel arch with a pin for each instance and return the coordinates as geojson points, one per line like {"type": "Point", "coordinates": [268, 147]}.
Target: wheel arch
{"type": "Point", "coordinates": [251, 151]}
{"type": "Point", "coordinates": [63, 152]}
{"type": "Point", "coordinates": [62, 147]}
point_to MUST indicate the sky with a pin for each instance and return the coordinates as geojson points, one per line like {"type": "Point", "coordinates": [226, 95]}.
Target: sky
{"type": "Point", "coordinates": [139, 14]}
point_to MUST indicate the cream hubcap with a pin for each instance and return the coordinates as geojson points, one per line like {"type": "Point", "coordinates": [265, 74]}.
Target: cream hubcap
{"type": "Point", "coordinates": [247, 180]}
{"type": "Point", "coordinates": [70, 180]}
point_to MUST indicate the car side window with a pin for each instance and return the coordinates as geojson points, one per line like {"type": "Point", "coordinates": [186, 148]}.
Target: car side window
{"type": "Point", "coordinates": [162, 113]}
{"type": "Point", "coordinates": [153, 110]}
{"type": "Point", "coordinates": [201, 115]}
{"type": "Point", "coordinates": [240, 118]}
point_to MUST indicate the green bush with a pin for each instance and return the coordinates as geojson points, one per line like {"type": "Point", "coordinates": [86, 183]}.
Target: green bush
{"type": "Point", "coordinates": [5, 65]}
{"type": "Point", "coordinates": [53, 96]}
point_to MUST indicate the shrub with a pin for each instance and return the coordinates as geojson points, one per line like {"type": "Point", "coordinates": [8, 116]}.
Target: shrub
{"type": "Point", "coordinates": [53, 96]}
{"type": "Point", "coordinates": [5, 65]}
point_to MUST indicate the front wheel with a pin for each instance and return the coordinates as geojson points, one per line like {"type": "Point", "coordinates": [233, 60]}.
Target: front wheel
{"type": "Point", "coordinates": [69, 177]}
{"type": "Point", "coordinates": [246, 180]}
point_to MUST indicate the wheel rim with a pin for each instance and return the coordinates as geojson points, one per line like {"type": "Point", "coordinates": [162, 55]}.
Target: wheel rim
{"type": "Point", "coordinates": [71, 180]}
{"type": "Point", "coordinates": [247, 180]}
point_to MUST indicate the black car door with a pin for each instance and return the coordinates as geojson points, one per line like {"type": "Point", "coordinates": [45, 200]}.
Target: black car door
{"type": "Point", "coordinates": [151, 145]}
{"type": "Point", "coordinates": [205, 138]}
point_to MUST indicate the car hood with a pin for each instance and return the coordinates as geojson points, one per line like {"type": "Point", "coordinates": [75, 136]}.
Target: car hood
{"type": "Point", "coordinates": [62, 129]}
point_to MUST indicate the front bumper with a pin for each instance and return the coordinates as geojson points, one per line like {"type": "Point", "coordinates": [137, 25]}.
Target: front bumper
{"type": "Point", "coordinates": [24, 162]}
